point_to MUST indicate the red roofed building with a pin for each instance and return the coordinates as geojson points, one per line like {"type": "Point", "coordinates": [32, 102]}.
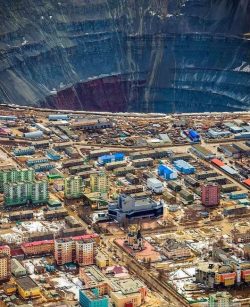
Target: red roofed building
{"type": "Point", "coordinates": [38, 247]}
{"type": "Point", "coordinates": [247, 182]}
{"type": "Point", "coordinates": [217, 162]}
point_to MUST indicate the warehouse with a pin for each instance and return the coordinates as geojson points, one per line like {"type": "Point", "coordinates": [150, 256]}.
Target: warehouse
{"type": "Point", "coordinates": [27, 288]}
{"type": "Point", "coordinates": [187, 196]}
{"type": "Point", "coordinates": [24, 151]}
{"type": "Point", "coordinates": [121, 171]}
{"type": "Point", "coordinates": [143, 162]}
{"type": "Point", "coordinates": [184, 167]}
{"type": "Point", "coordinates": [35, 161]}
{"type": "Point", "coordinates": [235, 210]}
{"type": "Point", "coordinates": [229, 151]}
{"type": "Point", "coordinates": [202, 152]}
{"type": "Point", "coordinates": [204, 175]}
{"type": "Point", "coordinates": [33, 135]}
{"type": "Point", "coordinates": [191, 181]}
{"type": "Point", "coordinates": [55, 214]}
{"type": "Point", "coordinates": [72, 162]}
{"type": "Point", "coordinates": [166, 172]}
{"type": "Point", "coordinates": [43, 128]}
{"type": "Point", "coordinates": [238, 195]}
{"type": "Point", "coordinates": [227, 188]}
{"type": "Point", "coordinates": [218, 179]}
{"type": "Point", "coordinates": [56, 117]}
{"type": "Point", "coordinates": [21, 215]}
{"type": "Point", "coordinates": [242, 148]}
{"type": "Point", "coordinates": [174, 186]}
{"type": "Point", "coordinates": [97, 153]}
{"type": "Point", "coordinates": [181, 156]}
{"type": "Point", "coordinates": [53, 155]}
{"type": "Point", "coordinates": [216, 134]}
{"type": "Point", "coordinates": [131, 178]}
{"type": "Point", "coordinates": [79, 168]}
{"type": "Point", "coordinates": [102, 160]}
{"type": "Point", "coordinates": [41, 144]}
{"type": "Point", "coordinates": [194, 136]}
{"type": "Point", "coordinates": [113, 165]}
{"type": "Point", "coordinates": [17, 269]}
{"type": "Point", "coordinates": [132, 189]}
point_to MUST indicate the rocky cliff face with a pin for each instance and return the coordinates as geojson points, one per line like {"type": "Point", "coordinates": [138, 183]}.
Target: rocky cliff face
{"type": "Point", "coordinates": [126, 55]}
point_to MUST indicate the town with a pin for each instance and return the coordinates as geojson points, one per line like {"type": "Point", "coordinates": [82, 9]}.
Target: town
{"type": "Point", "coordinates": [124, 210]}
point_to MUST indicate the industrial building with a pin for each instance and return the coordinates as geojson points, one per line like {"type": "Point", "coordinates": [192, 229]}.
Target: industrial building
{"type": "Point", "coordinates": [53, 155]}
{"type": "Point", "coordinates": [8, 117]}
{"type": "Point", "coordinates": [17, 269]}
{"type": "Point", "coordinates": [121, 171]}
{"type": "Point", "coordinates": [38, 134]}
{"type": "Point", "coordinates": [235, 210]}
{"type": "Point", "coordinates": [111, 158]}
{"type": "Point", "coordinates": [21, 215]}
{"type": "Point", "coordinates": [27, 288]}
{"type": "Point", "coordinates": [87, 125]}
{"type": "Point", "coordinates": [131, 207]}
{"type": "Point", "coordinates": [194, 136]}
{"type": "Point", "coordinates": [55, 117]}
{"type": "Point", "coordinates": [238, 195]}
{"type": "Point", "coordinates": [73, 187]}
{"type": "Point", "coordinates": [184, 167]}
{"type": "Point", "coordinates": [229, 150]}
{"type": "Point", "coordinates": [202, 152]}
{"type": "Point", "coordinates": [216, 134]}
{"type": "Point", "coordinates": [143, 162]}
{"type": "Point", "coordinates": [24, 151]}
{"type": "Point", "coordinates": [166, 172]}
{"type": "Point", "coordinates": [38, 160]}
{"type": "Point", "coordinates": [205, 175]}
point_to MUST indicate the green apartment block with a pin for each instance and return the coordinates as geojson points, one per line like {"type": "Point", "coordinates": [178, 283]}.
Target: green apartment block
{"type": "Point", "coordinates": [15, 176]}
{"type": "Point", "coordinates": [73, 187]}
{"type": "Point", "coordinates": [21, 193]}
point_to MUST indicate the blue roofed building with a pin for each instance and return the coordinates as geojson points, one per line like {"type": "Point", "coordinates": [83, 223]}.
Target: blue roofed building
{"type": "Point", "coordinates": [53, 155]}
{"type": "Point", "coordinates": [24, 151]}
{"type": "Point", "coordinates": [193, 135]}
{"type": "Point", "coordinates": [91, 298]}
{"type": "Point", "coordinates": [166, 172]}
{"type": "Point", "coordinates": [184, 167]}
{"type": "Point", "coordinates": [111, 158]}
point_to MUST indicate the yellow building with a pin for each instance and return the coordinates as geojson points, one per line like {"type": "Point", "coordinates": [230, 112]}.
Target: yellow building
{"type": "Point", "coordinates": [119, 299]}
{"type": "Point", "coordinates": [102, 260]}
{"type": "Point", "coordinates": [9, 288]}
{"type": "Point", "coordinates": [99, 182]}
{"type": "Point", "coordinates": [27, 288]}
